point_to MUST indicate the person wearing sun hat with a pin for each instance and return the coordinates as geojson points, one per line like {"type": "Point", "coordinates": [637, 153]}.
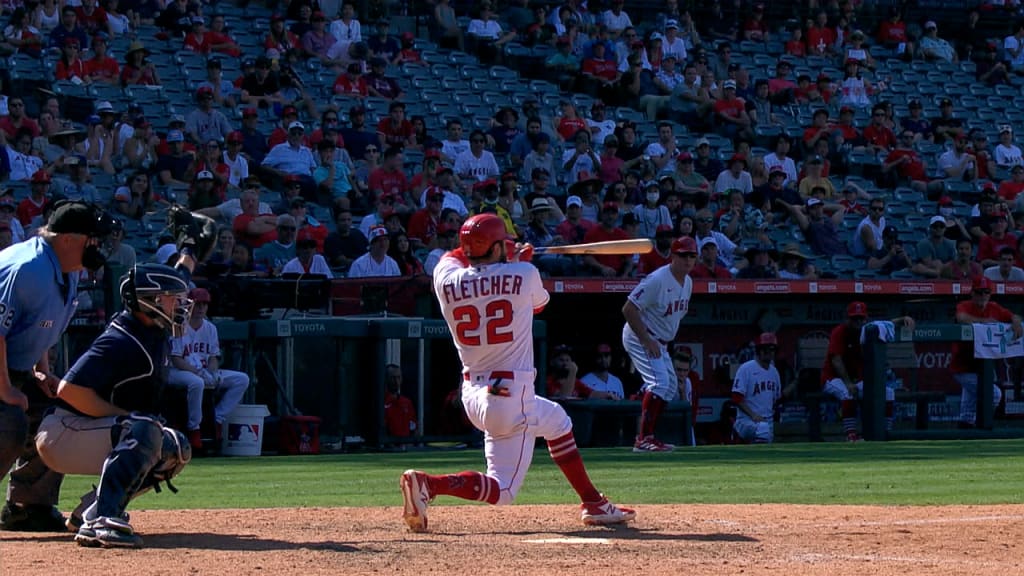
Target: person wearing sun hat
{"type": "Point", "coordinates": [794, 264]}
{"type": "Point", "coordinates": [734, 177]}
{"type": "Point", "coordinates": [137, 71]}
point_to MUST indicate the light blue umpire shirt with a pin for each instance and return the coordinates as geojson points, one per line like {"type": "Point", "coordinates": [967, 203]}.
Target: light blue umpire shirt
{"type": "Point", "coordinates": [37, 301]}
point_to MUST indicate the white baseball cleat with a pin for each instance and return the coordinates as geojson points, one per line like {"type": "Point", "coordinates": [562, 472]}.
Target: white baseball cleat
{"type": "Point", "coordinates": [416, 496]}
{"type": "Point", "coordinates": [651, 444]}
{"type": "Point", "coordinates": [604, 513]}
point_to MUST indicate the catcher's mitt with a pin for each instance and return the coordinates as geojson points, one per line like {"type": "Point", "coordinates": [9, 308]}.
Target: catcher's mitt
{"type": "Point", "coordinates": [193, 233]}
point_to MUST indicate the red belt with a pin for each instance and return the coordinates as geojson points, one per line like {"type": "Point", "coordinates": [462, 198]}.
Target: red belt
{"type": "Point", "coordinates": [496, 375]}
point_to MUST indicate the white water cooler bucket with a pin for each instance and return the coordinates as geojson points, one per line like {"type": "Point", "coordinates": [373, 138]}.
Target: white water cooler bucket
{"type": "Point", "coordinates": [243, 430]}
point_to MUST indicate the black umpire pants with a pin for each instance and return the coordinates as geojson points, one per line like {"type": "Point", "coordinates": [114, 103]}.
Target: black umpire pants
{"type": "Point", "coordinates": [31, 482]}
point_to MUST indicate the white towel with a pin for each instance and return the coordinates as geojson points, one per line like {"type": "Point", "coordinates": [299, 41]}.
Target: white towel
{"type": "Point", "coordinates": [886, 330]}
{"type": "Point", "coordinates": [996, 341]}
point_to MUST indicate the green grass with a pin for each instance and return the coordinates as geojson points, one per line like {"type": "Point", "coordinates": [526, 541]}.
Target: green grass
{"type": "Point", "coordinates": [915, 473]}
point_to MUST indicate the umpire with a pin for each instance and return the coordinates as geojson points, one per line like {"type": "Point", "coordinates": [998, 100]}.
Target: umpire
{"type": "Point", "coordinates": [38, 297]}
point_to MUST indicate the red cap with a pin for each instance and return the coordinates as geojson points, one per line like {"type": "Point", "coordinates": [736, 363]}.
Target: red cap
{"type": "Point", "coordinates": [663, 228]}
{"type": "Point", "coordinates": [236, 136]}
{"type": "Point", "coordinates": [432, 153]}
{"type": "Point", "coordinates": [738, 158]}
{"type": "Point", "coordinates": [610, 207]}
{"type": "Point", "coordinates": [945, 201]}
{"type": "Point", "coordinates": [604, 349]}
{"type": "Point", "coordinates": [250, 112]}
{"type": "Point", "coordinates": [287, 110]}
{"type": "Point", "coordinates": [305, 235]}
{"type": "Point", "coordinates": [684, 157]}
{"type": "Point", "coordinates": [846, 109]}
{"type": "Point", "coordinates": [199, 295]}
{"type": "Point", "coordinates": [204, 90]}
{"type": "Point", "coordinates": [684, 245]}
{"type": "Point", "coordinates": [41, 176]}
{"type": "Point", "coordinates": [435, 192]}
{"type": "Point", "coordinates": [981, 283]}
{"type": "Point", "coordinates": [484, 185]}
{"type": "Point", "coordinates": [292, 178]}
{"type": "Point", "coordinates": [766, 339]}
{"type": "Point", "coordinates": [857, 309]}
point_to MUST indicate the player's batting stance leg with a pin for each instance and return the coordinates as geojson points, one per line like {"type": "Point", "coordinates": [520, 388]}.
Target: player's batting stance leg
{"type": "Point", "coordinates": [660, 387]}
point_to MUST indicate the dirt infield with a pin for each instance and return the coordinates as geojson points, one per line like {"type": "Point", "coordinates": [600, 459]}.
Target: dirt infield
{"type": "Point", "coordinates": [767, 539]}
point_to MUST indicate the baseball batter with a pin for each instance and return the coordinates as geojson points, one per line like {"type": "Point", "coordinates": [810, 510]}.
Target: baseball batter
{"type": "Point", "coordinates": [653, 311]}
{"type": "Point", "coordinates": [38, 297]}
{"type": "Point", "coordinates": [842, 374]}
{"type": "Point", "coordinates": [489, 292]}
{"type": "Point", "coordinates": [756, 390]}
{"type": "Point", "coordinates": [195, 365]}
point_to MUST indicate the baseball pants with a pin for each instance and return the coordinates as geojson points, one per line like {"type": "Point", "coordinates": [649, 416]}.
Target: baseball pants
{"type": "Point", "coordinates": [757, 432]}
{"type": "Point", "coordinates": [658, 374]}
{"type": "Point", "coordinates": [31, 482]}
{"type": "Point", "coordinates": [969, 396]}
{"type": "Point", "coordinates": [837, 389]}
{"type": "Point", "coordinates": [75, 444]}
{"type": "Point", "coordinates": [511, 424]}
{"type": "Point", "coordinates": [233, 383]}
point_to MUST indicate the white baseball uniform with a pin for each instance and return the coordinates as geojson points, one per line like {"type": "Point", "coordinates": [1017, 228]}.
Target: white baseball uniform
{"type": "Point", "coordinates": [663, 302]}
{"type": "Point", "coordinates": [761, 388]}
{"type": "Point", "coordinates": [610, 383]}
{"type": "Point", "coordinates": [489, 310]}
{"type": "Point", "coordinates": [197, 347]}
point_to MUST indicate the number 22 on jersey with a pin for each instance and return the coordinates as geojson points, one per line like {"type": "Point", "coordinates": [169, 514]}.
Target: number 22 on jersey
{"type": "Point", "coordinates": [489, 327]}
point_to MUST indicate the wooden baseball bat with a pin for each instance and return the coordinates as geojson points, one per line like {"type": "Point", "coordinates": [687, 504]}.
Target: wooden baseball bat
{"type": "Point", "coordinates": [634, 246]}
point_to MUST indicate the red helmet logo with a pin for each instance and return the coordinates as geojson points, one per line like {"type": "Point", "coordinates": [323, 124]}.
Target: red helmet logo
{"type": "Point", "coordinates": [857, 308]}
{"type": "Point", "coordinates": [479, 233]}
{"type": "Point", "coordinates": [684, 245]}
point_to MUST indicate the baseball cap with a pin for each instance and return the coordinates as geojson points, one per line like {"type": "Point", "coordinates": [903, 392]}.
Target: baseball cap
{"type": "Point", "coordinates": [846, 110]}
{"type": "Point", "coordinates": [177, 119]}
{"type": "Point", "coordinates": [890, 231]}
{"type": "Point", "coordinates": [289, 111]}
{"type": "Point", "coordinates": [204, 175]}
{"type": "Point", "coordinates": [857, 309]}
{"type": "Point", "coordinates": [609, 207]}
{"type": "Point", "coordinates": [104, 107]}
{"type": "Point", "coordinates": [164, 253]}
{"type": "Point", "coordinates": [729, 84]}
{"type": "Point", "coordinates": [378, 232]}
{"type": "Point", "coordinates": [1003, 128]}
{"type": "Point", "coordinates": [930, 24]}
{"type": "Point", "coordinates": [205, 91]}
{"type": "Point", "coordinates": [702, 142]}
{"type": "Point", "coordinates": [663, 230]}
{"type": "Point", "coordinates": [70, 217]}
{"type": "Point", "coordinates": [915, 104]}
{"type": "Point", "coordinates": [685, 157]}
{"type": "Point", "coordinates": [296, 126]}
{"type": "Point", "coordinates": [815, 159]}
{"type": "Point", "coordinates": [671, 24]}
{"type": "Point", "coordinates": [604, 349]}
{"type": "Point", "coordinates": [42, 176]}
{"type": "Point", "coordinates": [432, 153]}
{"type": "Point", "coordinates": [250, 113]}
{"type": "Point", "coordinates": [776, 171]}
{"type": "Point", "coordinates": [945, 201]}
{"type": "Point", "coordinates": [813, 202]}
{"type": "Point", "coordinates": [305, 239]}
{"type": "Point", "coordinates": [537, 172]}
{"type": "Point", "coordinates": [937, 220]}
{"type": "Point", "coordinates": [684, 245]}
{"type": "Point", "coordinates": [709, 241]}
{"type": "Point", "coordinates": [74, 160]}
{"type": "Point", "coordinates": [173, 136]}
{"type": "Point", "coordinates": [573, 201]}
{"type": "Point", "coordinates": [981, 284]}
{"type": "Point", "coordinates": [236, 136]}
{"type": "Point", "coordinates": [562, 349]}
{"type": "Point", "coordinates": [483, 186]}
{"type": "Point", "coordinates": [946, 102]}
{"type": "Point", "coordinates": [199, 295]}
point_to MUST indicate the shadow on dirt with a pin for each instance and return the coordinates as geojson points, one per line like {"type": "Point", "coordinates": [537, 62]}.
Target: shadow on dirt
{"type": "Point", "coordinates": [629, 533]}
{"type": "Point", "coordinates": [243, 542]}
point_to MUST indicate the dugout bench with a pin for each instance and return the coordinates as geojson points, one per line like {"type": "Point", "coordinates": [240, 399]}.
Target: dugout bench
{"type": "Point", "coordinates": [614, 422]}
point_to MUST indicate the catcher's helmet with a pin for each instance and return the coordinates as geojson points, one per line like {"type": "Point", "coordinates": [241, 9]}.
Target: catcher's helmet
{"type": "Point", "coordinates": [144, 283]}
{"type": "Point", "coordinates": [480, 233]}
{"type": "Point", "coordinates": [766, 339]}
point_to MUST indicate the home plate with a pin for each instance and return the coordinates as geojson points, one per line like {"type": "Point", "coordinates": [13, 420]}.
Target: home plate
{"type": "Point", "coordinates": [567, 541]}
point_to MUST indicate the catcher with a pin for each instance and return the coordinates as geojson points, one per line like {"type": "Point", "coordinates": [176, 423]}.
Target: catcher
{"type": "Point", "coordinates": [106, 422]}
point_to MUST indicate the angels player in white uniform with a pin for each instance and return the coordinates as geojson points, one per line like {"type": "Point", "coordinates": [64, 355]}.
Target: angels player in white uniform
{"type": "Point", "coordinates": [756, 390]}
{"type": "Point", "coordinates": [195, 366]}
{"type": "Point", "coordinates": [653, 311]}
{"type": "Point", "coordinates": [488, 293]}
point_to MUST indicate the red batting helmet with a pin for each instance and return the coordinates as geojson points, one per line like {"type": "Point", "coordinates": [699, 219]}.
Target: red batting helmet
{"type": "Point", "coordinates": [857, 308]}
{"type": "Point", "coordinates": [479, 234]}
{"type": "Point", "coordinates": [766, 339]}
{"type": "Point", "coordinates": [684, 245]}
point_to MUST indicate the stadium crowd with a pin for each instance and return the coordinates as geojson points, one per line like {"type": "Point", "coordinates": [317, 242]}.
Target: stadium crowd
{"type": "Point", "coordinates": [791, 140]}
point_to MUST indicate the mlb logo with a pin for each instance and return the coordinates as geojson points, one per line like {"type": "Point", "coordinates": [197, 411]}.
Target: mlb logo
{"type": "Point", "coordinates": [243, 433]}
